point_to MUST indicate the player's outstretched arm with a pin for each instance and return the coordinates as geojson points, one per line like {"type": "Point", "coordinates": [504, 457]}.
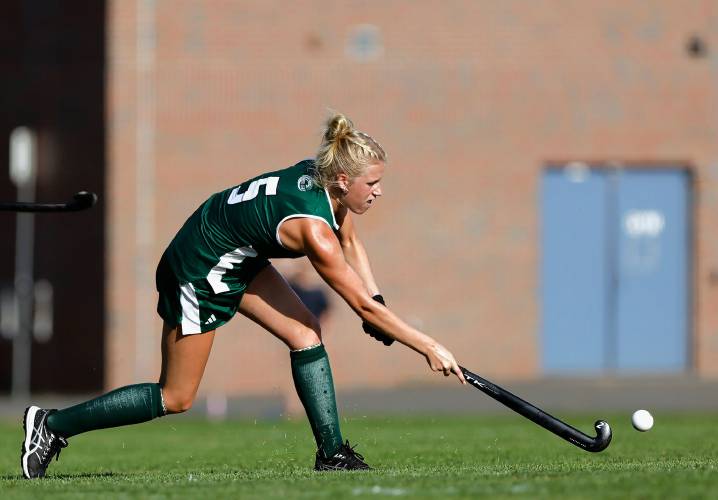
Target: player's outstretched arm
{"type": "Point", "coordinates": [355, 253]}
{"type": "Point", "coordinates": [315, 240]}
{"type": "Point", "coordinates": [356, 256]}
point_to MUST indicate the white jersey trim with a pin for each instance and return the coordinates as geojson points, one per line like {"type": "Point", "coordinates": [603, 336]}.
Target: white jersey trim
{"type": "Point", "coordinates": [297, 216]}
{"type": "Point", "coordinates": [331, 210]}
{"type": "Point", "coordinates": [190, 310]}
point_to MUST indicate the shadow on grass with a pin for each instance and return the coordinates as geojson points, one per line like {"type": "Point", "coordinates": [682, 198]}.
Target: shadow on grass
{"type": "Point", "coordinates": [62, 477]}
{"type": "Point", "coordinates": [88, 475]}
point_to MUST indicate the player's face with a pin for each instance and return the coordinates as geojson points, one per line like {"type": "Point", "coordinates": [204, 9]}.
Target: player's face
{"type": "Point", "coordinates": [365, 189]}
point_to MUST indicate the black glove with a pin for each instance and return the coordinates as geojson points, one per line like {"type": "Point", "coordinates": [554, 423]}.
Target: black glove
{"type": "Point", "coordinates": [370, 330]}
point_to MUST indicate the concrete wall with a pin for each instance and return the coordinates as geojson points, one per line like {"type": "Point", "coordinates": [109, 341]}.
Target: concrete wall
{"type": "Point", "coordinates": [470, 99]}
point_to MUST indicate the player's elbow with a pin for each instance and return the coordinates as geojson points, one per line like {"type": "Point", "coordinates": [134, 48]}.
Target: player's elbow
{"type": "Point", "coordinates": [366, 309]}
{"type": "Point", "coordinates": [347, 246]}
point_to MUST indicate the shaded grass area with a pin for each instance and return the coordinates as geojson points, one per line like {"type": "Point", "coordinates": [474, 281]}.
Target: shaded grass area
{"type": "Point", "coordinates": [419, 457]}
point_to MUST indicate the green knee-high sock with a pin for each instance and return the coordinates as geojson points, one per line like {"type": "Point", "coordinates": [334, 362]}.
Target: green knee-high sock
{"type": "Point", "coordinates": [315, 387]}
{"type": "Point", "coordinates": [127, 405]}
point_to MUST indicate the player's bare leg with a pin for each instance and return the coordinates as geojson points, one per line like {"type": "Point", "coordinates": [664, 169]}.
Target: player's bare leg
{"type": "Point", "coordinates": [184, 358]}
{"type": "Point", "coordinates": [183, 362]}
{"type": "Point", "coordinates": [270, 302]}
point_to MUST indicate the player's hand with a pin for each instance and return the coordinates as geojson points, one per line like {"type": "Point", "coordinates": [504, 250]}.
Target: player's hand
{"type": "Point", "coordinates": [373, 332]}
{"type": "Point", "coordinates": [441, 360]}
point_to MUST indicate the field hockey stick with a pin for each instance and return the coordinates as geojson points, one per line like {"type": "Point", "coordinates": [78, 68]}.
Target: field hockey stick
{"type": "Point", "coordinates": [536, 415]}
{"type": "Point", "coordinates": [80, 201]}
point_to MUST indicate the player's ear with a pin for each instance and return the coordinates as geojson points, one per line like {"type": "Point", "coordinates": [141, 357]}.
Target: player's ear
{"type": "Point", "coordinates": [343, 182]}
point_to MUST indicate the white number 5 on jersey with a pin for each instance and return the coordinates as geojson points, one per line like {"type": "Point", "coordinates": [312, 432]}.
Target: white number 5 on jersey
{"type": "Point", "coordinates": [270, 189]}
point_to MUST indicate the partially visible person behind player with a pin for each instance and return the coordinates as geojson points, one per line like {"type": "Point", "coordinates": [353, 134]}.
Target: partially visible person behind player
{"type": "Point", "coordinates": [217, 264]}
{"type": "Point", "coordinates": [301, 277]}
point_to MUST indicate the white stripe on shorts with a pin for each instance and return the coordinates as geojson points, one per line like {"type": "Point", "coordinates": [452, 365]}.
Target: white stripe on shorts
{"type": "Point", "coordinates": [190, 310]}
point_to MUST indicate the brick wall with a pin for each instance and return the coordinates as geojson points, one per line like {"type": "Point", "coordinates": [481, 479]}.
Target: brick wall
{"type": "Point", "coordinates": [470, 100]}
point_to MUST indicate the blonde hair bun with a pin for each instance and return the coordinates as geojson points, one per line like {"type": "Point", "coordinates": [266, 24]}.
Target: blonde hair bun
{"type": "Point", "coordinates": [338, 127]}
{"type": "Point", "coordinates": [344, 149]}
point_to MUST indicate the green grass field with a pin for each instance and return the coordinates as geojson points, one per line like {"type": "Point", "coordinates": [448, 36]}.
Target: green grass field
{"type": "Point", "coordinates": [453, 457]}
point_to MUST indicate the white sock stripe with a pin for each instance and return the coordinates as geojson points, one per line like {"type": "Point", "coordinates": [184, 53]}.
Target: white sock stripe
{"type": "Point", "coordinates": [307, 348]}
{"type": "Point", "coordinates": [162, 400]}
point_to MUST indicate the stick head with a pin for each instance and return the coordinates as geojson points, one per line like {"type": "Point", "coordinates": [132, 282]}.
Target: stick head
{"type": "Point", "coordinates": [603, 436]}
{"type": "Point", "coordinates": [83, 200]}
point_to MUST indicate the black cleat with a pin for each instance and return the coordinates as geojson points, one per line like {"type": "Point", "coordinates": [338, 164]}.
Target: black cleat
{"type": "Point", "coordinates": [344, 459]}
{"type": "Point", "coordinates": [40, 443]}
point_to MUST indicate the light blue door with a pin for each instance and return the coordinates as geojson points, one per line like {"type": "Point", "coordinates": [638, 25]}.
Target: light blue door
{"type": "Point", "coordinates": [574, 271]}
{"type": "Point", "coordinates": [652, 303]}
{"type": "Point", "coordinates": [614, 271]}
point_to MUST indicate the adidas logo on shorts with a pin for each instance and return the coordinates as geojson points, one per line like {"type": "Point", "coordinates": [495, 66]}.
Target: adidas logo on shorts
{"type": "Point", "coordinates": [211, 319]}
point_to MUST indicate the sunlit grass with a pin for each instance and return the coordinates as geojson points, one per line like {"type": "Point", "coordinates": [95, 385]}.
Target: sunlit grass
{"type": "Point", "coordinates": [422, 457]}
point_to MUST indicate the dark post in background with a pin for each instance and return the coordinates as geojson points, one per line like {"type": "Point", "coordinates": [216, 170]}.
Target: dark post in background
{"type": "Point", "coordinates": [52, 63]}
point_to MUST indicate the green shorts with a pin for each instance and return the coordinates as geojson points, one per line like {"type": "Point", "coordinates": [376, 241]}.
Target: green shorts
{"type": "Point", "coordinates": [195, 305]}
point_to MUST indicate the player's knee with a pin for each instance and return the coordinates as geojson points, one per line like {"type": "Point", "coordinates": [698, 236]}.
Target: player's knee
{"type": "Point", "coordinates": [315, 327]}
{"type": "Point", "coordinates": [180, 405]}
{"type": "Point", "coordinates": [177, 403]}
{"type": "Point", "coordinates": [310, 333]}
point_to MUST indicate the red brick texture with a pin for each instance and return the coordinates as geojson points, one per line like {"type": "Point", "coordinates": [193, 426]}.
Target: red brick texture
{"type": "Point", "coordinates": [470, 100]}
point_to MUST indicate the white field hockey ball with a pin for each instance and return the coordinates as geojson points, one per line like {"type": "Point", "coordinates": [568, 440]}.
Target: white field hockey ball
{"type": "Point", "coordinates": [642, 420]}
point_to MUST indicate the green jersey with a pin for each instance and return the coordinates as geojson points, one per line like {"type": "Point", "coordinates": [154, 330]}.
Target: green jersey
{"type": "Point", "coordinates": [242, 223]}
